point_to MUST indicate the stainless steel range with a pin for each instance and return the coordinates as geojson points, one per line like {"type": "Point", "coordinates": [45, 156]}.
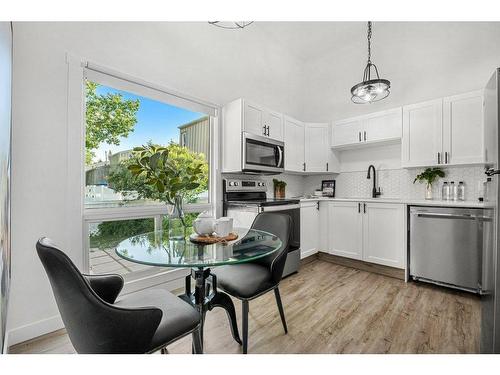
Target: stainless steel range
{"type": "Point", "coordinates": [243, 200]}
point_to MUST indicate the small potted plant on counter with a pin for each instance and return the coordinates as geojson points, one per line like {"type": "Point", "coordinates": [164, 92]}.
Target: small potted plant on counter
{"type": "Point", "coordinates": [429, 176]}
{"type": "Point", "coordinates": [279, 189]}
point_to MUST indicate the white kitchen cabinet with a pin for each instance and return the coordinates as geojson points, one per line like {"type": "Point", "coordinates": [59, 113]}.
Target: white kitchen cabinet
{"type": "Point", "coordinates": [447, 131]}
{"type": "Point", "coordinates": [422, 134]}
{"type": "Point", "coordinates": [372, 232]}
{"type": "Point", "coordinates": [378, 127]}
{"type": "Point", "coordinates": [383, 126]}
{"type": "Point", "coordinates": [347, 132]}
{"type": "Point", "coordinates": [383, 234]}
{"type": "Point", "coordinates": [317, 150]}
{"type": "Point", "coordinates": [253, 118]}
{"type": "Point", "coordinates": [345, 226]}
{"type": "Point", "coordinates": [274, 123]}
{"type": "Point", "coordinates": [261, 121]}
{"type": "Point", "coordinates": [309, 228]}
{"type": "Point", "coordinates": [463, 141]}
{"type": "Point", "coordinates": [294, 145]}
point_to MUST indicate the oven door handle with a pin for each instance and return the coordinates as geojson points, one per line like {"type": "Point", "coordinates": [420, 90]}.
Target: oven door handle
{"type": "Point", "coordinates": [280, 207]}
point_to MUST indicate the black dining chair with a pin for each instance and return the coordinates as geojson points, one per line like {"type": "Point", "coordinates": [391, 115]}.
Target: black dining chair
{"type": "Point", "coordinates": [98, 320]}
{"type": "Point", "coordinates": [248, 281]}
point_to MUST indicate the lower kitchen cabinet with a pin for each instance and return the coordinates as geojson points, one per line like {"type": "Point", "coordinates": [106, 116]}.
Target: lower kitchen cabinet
{"type": "Point", "coordinates": [383, 234]}
{"type": "Point", "coordinates": [345, 226]}
{"type": "Point", "coordinates": [309, 228]}
{"type": "Point", "coordinates": [372, 232]}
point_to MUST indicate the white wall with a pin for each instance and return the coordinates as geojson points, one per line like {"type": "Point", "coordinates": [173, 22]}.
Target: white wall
{"type": "Point", "coordinates": [197, 59]}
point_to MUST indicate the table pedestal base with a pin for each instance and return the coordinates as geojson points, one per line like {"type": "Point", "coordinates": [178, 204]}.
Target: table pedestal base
{"type": "Point", "coordinates": [206, 297]}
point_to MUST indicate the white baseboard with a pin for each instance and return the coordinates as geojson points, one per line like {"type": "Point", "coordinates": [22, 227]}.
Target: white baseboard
{"type": "Point", "coordinates": [307, 253]}
{"type": "Point", "coordinates": [35, 329]}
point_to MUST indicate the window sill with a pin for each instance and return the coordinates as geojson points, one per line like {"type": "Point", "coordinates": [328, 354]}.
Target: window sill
{"type": "Point", "coordinates": [136, 212]}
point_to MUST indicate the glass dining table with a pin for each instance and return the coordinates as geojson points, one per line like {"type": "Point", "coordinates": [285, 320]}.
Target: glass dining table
{"type": "Point", "coordinates": [156, 249]}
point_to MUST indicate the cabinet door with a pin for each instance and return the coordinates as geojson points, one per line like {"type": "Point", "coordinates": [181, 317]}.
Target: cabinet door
{"type": "Point", "coordinates": [347, 132]}
{"type": "Point", "coordinates": [345, 229]}
{"type": "Point", "coordinates": [463, 128]}
{"type": "Point", "coordinates": [383, 234]}
{"type": "Point", "coordinates": [274, 121]}
{"type": "Point", "coordinates": [422, 134]}
{"type": "Point", "coordinates": [254, 117]}
{"type": "Point", "coordinates": [309, 228]}
{"type": "Point", "coordinates": [294, 145]}
{"type": "Point", "coordinates": [316, 148]}
{"type": "Point", "coordinates": [383, 126]}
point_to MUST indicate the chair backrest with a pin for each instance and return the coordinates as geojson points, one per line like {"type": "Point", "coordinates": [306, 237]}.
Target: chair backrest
{"type": "Point", "coordinates": [281, 226]}
{"type": "Point", "coordinates": [93, 325]}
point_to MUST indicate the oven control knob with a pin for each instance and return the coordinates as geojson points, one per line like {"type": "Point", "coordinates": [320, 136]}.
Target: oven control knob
{"type": "Point", "coordinates": [263, 184]}
{"type": "Point", "coordinates": [236, 184]}
{"type": "Point", "coordinates": [259, 184]}
{"type": "Point", "coordinates": [230, 183]}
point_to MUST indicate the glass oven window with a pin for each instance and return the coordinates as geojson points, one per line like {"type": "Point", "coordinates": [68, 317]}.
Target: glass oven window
{"type": "Point", "coordinates": [260, 153]}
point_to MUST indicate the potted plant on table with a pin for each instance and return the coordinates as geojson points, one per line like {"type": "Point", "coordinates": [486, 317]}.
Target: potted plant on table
{"type": "Point", "coordinates": [279, 189]}
{"type": "Point", "coordinates": [429, 176]}
{"type": "Point", "coordinates": [172, 174]}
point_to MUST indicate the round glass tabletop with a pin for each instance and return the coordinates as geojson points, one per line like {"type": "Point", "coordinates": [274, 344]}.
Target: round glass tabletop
{"type": "Point", "coordinates": [156, 249]}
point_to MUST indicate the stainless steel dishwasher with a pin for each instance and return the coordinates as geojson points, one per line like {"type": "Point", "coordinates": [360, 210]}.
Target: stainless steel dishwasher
{"type": "Point", "coordinates": [446, 246]}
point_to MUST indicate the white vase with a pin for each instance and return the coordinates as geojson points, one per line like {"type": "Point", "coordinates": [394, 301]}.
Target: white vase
{"type": "Point", "coordinates": [428, 191]}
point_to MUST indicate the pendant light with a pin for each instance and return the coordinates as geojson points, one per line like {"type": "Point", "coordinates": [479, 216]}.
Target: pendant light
{"type": "Point", "coordinates": [370, 90]}
{"type": "Point", "coordinates": [234, 25]}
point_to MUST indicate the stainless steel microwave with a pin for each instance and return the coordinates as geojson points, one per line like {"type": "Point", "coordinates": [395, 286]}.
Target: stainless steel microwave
{"type": "Point", "coordinates": [262, 155]}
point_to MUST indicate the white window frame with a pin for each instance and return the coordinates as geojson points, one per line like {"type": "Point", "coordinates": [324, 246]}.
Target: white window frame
{"type": "Point", "coordinates": [76, 125]}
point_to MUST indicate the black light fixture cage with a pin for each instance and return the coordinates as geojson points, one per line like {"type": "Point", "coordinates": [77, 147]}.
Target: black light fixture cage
{"type": "Point", "coordinates": [370, 90]}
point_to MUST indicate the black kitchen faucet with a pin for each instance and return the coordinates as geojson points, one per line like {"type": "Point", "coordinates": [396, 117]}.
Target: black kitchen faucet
{"type": "Point", "coordinates": [375, 193]}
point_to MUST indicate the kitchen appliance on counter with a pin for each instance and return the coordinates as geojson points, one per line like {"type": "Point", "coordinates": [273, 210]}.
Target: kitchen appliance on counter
{"type": "Point", "coordinates": [243, 200]}
{"type": "Point", "coordinates": [262, 155]}
{"type": "Point", "coordinates": [446, 246]}
{"type": "Point", "coordinates": [328, 188]}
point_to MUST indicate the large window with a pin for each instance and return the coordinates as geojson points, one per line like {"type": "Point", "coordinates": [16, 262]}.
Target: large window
{"type": "Point", "coordinates": [116, 122]}
{"type": "Point", "coordinates": [120, 115]}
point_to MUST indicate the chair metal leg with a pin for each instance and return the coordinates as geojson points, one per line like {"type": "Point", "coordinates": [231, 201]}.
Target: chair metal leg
{"type": "Point", "coordinates": [245, 325]}
{"type": "Point", "coordinates": [280, 308]}
{"type": "Point", "coordinates": [197, 341]}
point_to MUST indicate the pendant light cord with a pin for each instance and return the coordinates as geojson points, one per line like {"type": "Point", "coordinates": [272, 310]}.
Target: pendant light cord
{"type": "Point", "coordinates": [369, 42]}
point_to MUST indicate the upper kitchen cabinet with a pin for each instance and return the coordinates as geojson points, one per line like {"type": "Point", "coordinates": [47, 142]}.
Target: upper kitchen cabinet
{"type": "Point", "coordinates": [318, 156]}
{"type": "Point", "coordinates": [376, 127]}
{"type": "Point", "coordinates": [463, 141]}
{"type": "Point", "coordinates": [261, 121]}
{"type": "Point", "coordinates": [447, 131]}
{"type": "Point", "coordinates": [294, 145]}
{"type": "Point", "coordinates": [422, 134]}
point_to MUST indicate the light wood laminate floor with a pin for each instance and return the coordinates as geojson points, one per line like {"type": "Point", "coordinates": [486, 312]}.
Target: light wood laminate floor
{"type": "Point", "coordinates": [335, 309]}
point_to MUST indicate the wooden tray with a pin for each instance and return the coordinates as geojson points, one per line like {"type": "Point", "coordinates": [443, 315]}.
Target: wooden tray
{"type": "Point", "coordinates": [196, 238]}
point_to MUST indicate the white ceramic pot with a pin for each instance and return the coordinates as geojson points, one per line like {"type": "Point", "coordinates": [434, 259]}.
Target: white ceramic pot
{"type": "Point", "coordinates": [204, 224]}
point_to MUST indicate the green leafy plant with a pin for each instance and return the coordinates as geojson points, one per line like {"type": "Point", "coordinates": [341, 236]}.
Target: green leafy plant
{"type": "Point", "coordinates": [108, 117]}
{"type": "Point", "coordinates": [429, 175]}
{"type": "Point", "coordinates": [279, 184]}
{"type": "Point", "coordinates": [279, 188]}
{"type": "Point", "coordinates": [172, 174]}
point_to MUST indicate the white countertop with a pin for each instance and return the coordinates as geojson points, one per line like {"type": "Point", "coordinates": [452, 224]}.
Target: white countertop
{"type": "Point", "coordinates": [416, 202]}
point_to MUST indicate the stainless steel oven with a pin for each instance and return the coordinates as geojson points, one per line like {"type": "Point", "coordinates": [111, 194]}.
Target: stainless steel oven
{"type": "Point", "coordinates": [262, 155]}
